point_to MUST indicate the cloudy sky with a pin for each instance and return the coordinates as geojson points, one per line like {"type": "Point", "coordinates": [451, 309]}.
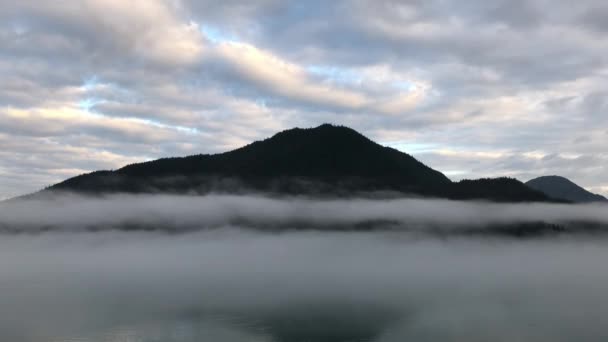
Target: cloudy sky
{"type": "Point", "coordinates": [473, 88]}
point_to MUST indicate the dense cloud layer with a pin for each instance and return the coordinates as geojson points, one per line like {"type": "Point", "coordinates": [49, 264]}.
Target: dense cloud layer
{"type": "Point", "coordinates": [182, 213]}
{"type": "Point", "coordinates": [480, 88]}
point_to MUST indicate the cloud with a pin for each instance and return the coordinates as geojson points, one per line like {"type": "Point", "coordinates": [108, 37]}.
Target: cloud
{"type": "Point", "coordinates": [284, 78]}
{"type": "Point", "coordinates": [146, 30]}
{"type": "Point", "coordinates": [486, 76]}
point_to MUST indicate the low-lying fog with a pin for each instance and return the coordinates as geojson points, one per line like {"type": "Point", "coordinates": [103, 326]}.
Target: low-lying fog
{"type": "Point", "coordinates": [233, 283]}
{"type": "Point", "coordinates": [72, 212]}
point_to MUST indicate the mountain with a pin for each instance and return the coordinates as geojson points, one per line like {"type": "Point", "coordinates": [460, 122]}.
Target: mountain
{"type": "Point", "coordinates": [563, 189]}
{"type": "Point", "coordinates": [325, 160]}
{"type": "Point", "coordinates": [501, 189]}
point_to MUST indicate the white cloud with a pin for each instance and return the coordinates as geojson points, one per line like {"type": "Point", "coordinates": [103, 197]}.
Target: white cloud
{"type": "Point", "coordinates": [373, 91]}
{"type": "Point", "coordinates": [146, 30]}
{"type": "Point", "coordinates": [284, 78]}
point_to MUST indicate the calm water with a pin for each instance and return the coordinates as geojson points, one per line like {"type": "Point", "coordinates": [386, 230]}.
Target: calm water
{"type": "Point", "coordinates": [242, 286]}
{"type": "Point", "coordinates": [217, 329]}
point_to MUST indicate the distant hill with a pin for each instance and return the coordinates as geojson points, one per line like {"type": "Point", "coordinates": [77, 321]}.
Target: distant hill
{"type": "Point", "coordinates": [325, 160]}
{"type": "Point", "coordinates": [501, 189]}
{"type": "Point", "coordinates": [563, 189]}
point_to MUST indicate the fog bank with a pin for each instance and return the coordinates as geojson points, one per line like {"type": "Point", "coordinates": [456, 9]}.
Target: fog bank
{"type": "Point", "coordinates": [253, 268]}
{"type": "Point", "coordinates": [240, 285]}
{"type": "Point", "coordinates": [166, 212]}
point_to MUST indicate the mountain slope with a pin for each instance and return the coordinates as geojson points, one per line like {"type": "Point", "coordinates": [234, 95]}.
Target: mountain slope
{"type": "Point", "coordinates": [328, 156]}
{"type": "Point", "coordinates": [501, 189]}
{"type": "Point", "coordinates": [563, 189]}
{"type": "Point", "coordinates": [327, 160]}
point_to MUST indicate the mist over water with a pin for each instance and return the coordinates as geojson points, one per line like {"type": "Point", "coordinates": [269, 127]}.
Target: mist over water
{"type": "Point", "coordinates": [220, 280]}
{"type": "Point", "coordinates": [188, 213]}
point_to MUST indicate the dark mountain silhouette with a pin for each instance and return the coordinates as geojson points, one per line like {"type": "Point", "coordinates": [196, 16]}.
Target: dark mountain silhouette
{"type": "Point", "coordinates": [563, 189]}
{"type": "Point", "coordinates": [501, 189]}
{"type": "Point", "coordinates": [326, 160]}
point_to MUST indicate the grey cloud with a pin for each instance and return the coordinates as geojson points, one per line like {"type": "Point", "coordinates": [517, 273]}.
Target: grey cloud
{"type": "Point", "coordinates": [476, 41]}
{"type": "Point", "coordinates": [517, 14]}
{"type": "Point", "coordinates": [594, 18]}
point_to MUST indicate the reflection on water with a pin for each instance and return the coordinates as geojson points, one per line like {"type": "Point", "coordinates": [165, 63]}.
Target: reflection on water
{"type": "Point", "coordinates": [286, 329]}
{"type": "Point", "coordinates": [116, 335]}
{"type": "Point", "coordinates": [180, 331]}
{"type": "Point", "coordinates": [224, 331]}
{"type": "Point", "coordinates": [238, 286]}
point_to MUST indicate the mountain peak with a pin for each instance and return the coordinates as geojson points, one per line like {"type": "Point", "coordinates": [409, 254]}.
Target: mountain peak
{"type": "Point", "coordinates": [562, 188]}
{"type": "Point", "coordinates": [553, 178]}
{"type": "Point", "coordinates": [324, 131]}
